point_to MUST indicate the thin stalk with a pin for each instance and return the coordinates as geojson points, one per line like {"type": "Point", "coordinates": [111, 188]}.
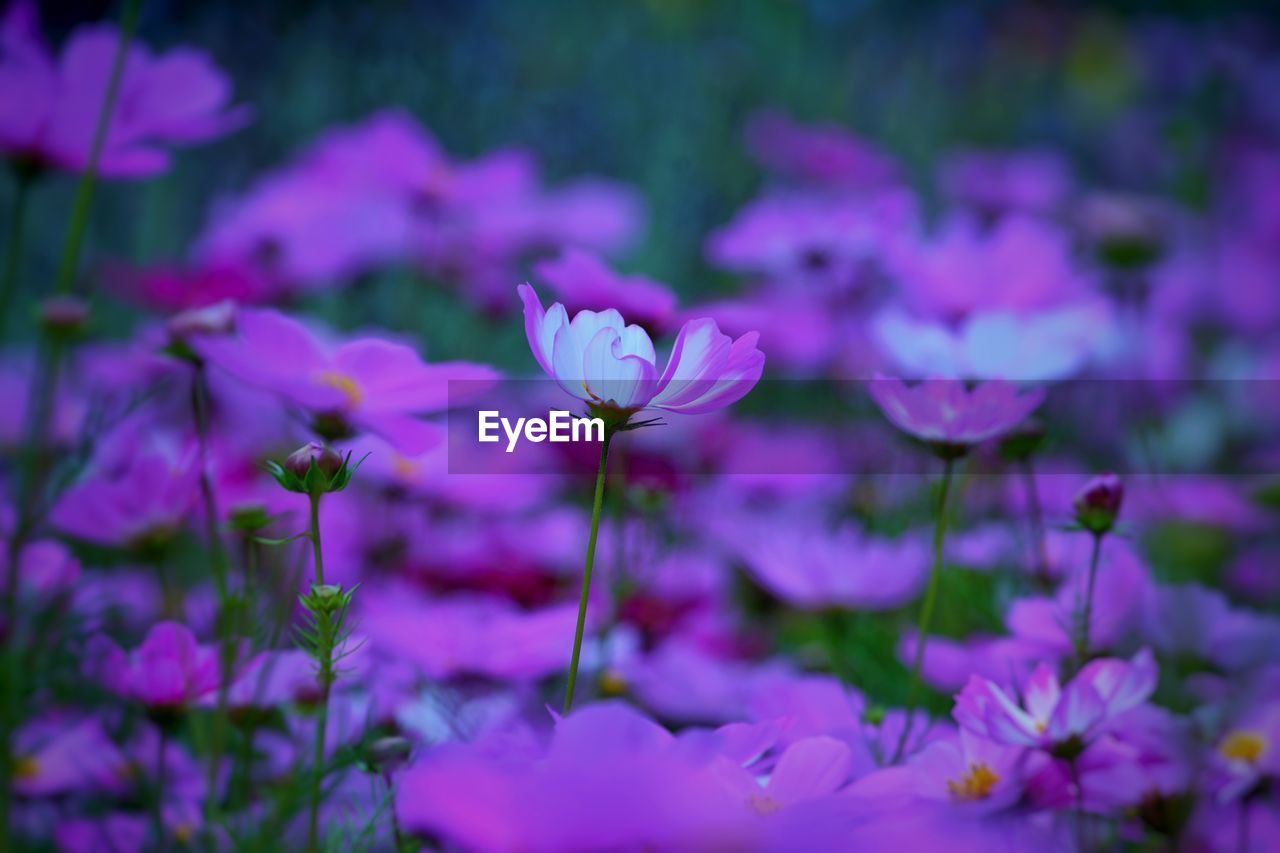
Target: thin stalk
{"type": "Point", "coordinates": [586, 571]}
{"type": "Point", "coordinates": [43, 392]}
{"type": "Point", "coordinates": [13, 254]}
{"type": "Point", "coordinates": [396, 832]}
{"type": "Point", "coordinates": [157, 800]}
{"type": "Point", "coordinates": [1035, 518]}
{"type": "Point", "coordinates": [1086, 611]}
{"type": "Point", "coordinates": [218, 567]}
{"type": "Point", "coordinates": [1081, 827]}
{"type": "Point", "coordinates": [325, 630]}
{"type": "Point", "coordinates": [833, 637]}
{"type": "Point", "coordinates": [926, 610]}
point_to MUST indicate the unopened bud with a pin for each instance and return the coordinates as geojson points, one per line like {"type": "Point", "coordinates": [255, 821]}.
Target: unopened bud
{"type": "Point", "coordinates": [64, 314]}
{"type": "Point", "coordinates": [326, 458]}
{"type": "Point", "coordinates": [216, 319]}
{"type": "Point", "coordinates": [1098, 504]}
{"type": "Point", "coordinates": [388, 753]}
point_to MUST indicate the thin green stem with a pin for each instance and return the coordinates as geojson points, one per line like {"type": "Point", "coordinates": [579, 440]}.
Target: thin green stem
{"type": "Point", "coordinates": [13, 253]}
{"type": "Point", "coordinates": [832, 623]}
{"type": "Point", "coordinates": [1086, 610]}
{"type": "Point", "coordinates": [586, 571]}
{"type": "Point", "coordinates": [1081, 826]}
{"type": "Point", "coordinates": [157, 799]}
{"type": "Point", "coordinates": [326, 635]}
{"type": "Point", "coordinates": [40, 401]}
{"type": "Point", "coordinates": [926, 610]}
{"type": "Point", "coordinates": [1035, 518]}
{"type": "Point", "coordinates": [226, 622]}
{"type": "Point", "coordinates": [316, 550]}
{"type": "Point", "coordinates": [88, 180]}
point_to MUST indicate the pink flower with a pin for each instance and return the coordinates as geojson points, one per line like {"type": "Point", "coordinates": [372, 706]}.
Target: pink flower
{"type": "Point", "coordinates": [822, 154]}
{"type": "Point", "coordinates": [584, 282]}
{"type": "Point", "coordinates": [951, 413]}
{"type": "Point", "coordinates": [56, 755]}
{"type": "Point", "coordinates": [1051, 716]}
{"type": "Point", "coordinates": [169, 671]}
{"type": "Point", "coordinates": [606, 363]}
{"type": "Point", "coordinates": [996, 182]}
{"type": "Point", "coordinates": [816, 569]}
{"type": "Point", "coordinates": [367, 384]}
{"type": "Point", "coordinates": [137, 491]}
{"type": "Point", "coordinates": [49, 115]}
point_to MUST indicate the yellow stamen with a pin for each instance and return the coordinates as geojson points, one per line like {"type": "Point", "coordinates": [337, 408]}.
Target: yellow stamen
{"type": "Point", "coordinates": [1244, 745]}
{"type": "Point", "coordinates": [764, 804]}
{"type": "Point", "coordinates": [404, 466]}
{"type": "Point", "coordinates": [612, 683]}
{"type": "Point", "coordinates": [26, 767]}
{"type": "Point", "coordinates": [974, 785]}
{"type": "Point", "coordinates": [343, 383]}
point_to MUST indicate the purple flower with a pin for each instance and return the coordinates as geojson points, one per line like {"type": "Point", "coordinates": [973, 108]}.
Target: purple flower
{"type": "Point", "coordinates": [56, 755]}
{"type": "Point", "coordinates": [1098, 503]}
{"type": "Point", "coordinates": [584, 283]}
{"type": "Point", "coordinates": [467, 636]}
{"type": "Point", "coordinates": [137, 492]}
{"type": "Point", "coordinates": [950, 413]}
{"type": "Point", "coordinates": [815, 569]}
{"type": "Point", "coordinates": [997, 182]}
{"type": "Point", "coordinates": [813, 241]}
{"type": "Point", "coordinates": [368, 383]}
{"type": "Point", "coordinates": [50, 114]}
{"type": "Point", "coordinates": [168, 672]}
{"type": "Point", "coordinates": [606, 363]}
{"type": "Point", "coordinates": [1051, 716]}
{"type": "Point", "coordinates": [825, 155]}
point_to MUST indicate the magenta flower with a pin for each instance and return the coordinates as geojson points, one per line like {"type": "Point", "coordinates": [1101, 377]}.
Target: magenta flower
{"type": "Point", "coordinates": [56, 755]}
{"type": "Point", "coordinates": [366, 384]}
{"type": "Point", "coordinates": [952, 414]}
{"type": "Point", "coordinates": [815, 569]}
{"type": "Point", "coordinates": [50, 113]}
{"type": "Point", "coordinates": [584, 283]}
{"type": "Point", "coordinates": [169, 671]}
{"type": "Point", "coordinates": [1051, 716]}
{"type": "Point", "coordinates": [823, 154]}
{"type": "Point", "coordinates": [608, 364]}
{"type": "Point", "coordinates": [997, 182]}
{"type": "Point", "coordinates": [811, 241]}
{"type": "Point", "coordinates": [137, 492]}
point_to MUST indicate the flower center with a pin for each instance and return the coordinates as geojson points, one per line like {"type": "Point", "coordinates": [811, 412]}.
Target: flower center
{"type": "Point", "coordinates": [974, 785]}
{"type": "Point", "coordinates": [404, 466]}
{"type": "Point", "coordinates": [764, 804]}
{"type": "Point", "coordinates": [343, 383]}
{"type": "Point", "coordinates": [26, 767]}
{"type": "Point", "coordinates": [1243, 745]}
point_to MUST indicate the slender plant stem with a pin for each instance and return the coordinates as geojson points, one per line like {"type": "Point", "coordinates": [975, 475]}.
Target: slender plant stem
{"type": "Point", "coordinates": [1086, 610]}
{"type": "Point", "coordinates": [40, 400]}
{"type": "Point", "coordinates": [13, 253]}
{"type": "Point", "coordinates": [1081, 827]}
{"type": "Point", "coordinates": [325, 631]}
{"type": "Point", "coordinates": [1035, 518]}
{"type": "Point", "coordinates": [926, 610]}
{"type": "Point", "coordinates": [586, 571]}
{"type": "Point", "coordinates": [157, 799]}
{"type": "Point", "coordinates": [396, 832]}
{"type": "Point", "coordinates": [833, 636]}
{"type": "Point", "coordinates": [226, 622]}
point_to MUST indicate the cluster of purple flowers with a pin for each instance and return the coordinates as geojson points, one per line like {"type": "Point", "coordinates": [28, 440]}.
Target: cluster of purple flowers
{"type": "Point", "coordinates": [257, 595]}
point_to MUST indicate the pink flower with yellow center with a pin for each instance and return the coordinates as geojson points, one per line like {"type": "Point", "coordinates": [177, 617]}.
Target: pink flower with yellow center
{"type": "Point", "coordinates": [363, 385]}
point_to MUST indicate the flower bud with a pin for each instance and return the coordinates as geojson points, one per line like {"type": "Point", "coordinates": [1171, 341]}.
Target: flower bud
{"type": "Point", "coordinates": [313, 469]}
{"type": "Point", "coordinates": [65, 315]}
{"type": "Point", "coordinates": [387, 753]}
{"type": "Point", "coordinates": [326, 458]}
{"type": "Point", "coordinates": [1098, 503]}
{"type": "Point", "coordinates": [216, 319]}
